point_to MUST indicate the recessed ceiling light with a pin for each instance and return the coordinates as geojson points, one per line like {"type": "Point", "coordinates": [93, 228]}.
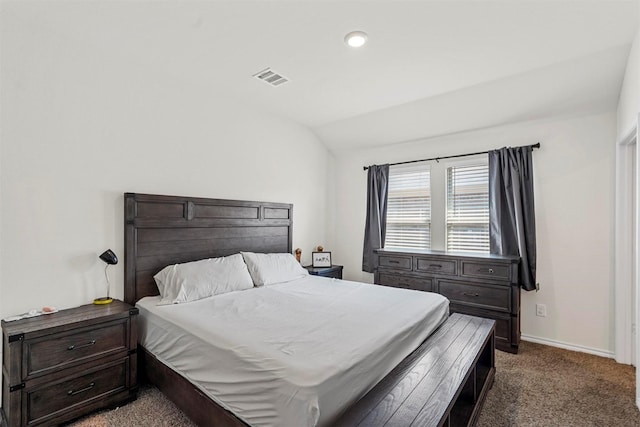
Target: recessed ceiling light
{"type": "Point", "coordinates": [356, 38]}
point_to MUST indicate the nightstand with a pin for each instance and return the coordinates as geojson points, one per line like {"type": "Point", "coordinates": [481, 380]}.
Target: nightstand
{"type": "Point", "coordinates": [60, 366]}
{"type": "Point", "coordinates": [334, 271]}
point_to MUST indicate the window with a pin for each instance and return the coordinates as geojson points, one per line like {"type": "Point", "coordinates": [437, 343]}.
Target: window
{"type": "Point", "coordinates": [467, 215]}
{"type": "Point", "coordinates": [441, 206]}
{"type": "Point", "coordinates": [409, 207]}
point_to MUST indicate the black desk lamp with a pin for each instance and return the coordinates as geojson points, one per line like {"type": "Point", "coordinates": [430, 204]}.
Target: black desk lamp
{"type": "Point", "coordinates": [110, 259]}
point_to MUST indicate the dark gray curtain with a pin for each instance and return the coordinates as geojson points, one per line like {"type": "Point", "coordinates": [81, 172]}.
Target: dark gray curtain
{"type": "Point", "coordinates": [376, 226]}
{"type": "Point", "coordinates": [512, 224]}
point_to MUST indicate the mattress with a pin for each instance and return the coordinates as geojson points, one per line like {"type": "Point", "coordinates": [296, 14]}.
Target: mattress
{"type": "Point", "coordinates": [291, 354]}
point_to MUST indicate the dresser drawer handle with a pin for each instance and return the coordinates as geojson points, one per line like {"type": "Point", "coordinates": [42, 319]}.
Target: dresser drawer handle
{"type": "Point", "coordinates": [435, 266]}
{"type": "Point", "coordinates": [485, 270]}
{"type": "Point", "coordinates": [74, 392]}
{"type": "Point", "coordinates": [471, 294]}
{"type": "Point", "coordinates": [394, 262]}
{"type": "Point", "coordinates": [75, 347]}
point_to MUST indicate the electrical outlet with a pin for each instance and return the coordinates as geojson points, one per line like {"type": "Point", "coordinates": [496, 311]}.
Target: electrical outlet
{"type": "Point", "coordinates": [541, 310]}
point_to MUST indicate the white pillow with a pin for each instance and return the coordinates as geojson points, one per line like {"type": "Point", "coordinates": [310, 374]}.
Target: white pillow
{"type": "Point", "coordinates": [268, 269]}
{"type": "Point", "coordinates": [192, 281]}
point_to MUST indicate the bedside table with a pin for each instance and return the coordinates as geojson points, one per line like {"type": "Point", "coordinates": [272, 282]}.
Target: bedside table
{"type": "Point", "coordinates": [60, 366]}
{"type": "Point", "coordinates": [334, 271]}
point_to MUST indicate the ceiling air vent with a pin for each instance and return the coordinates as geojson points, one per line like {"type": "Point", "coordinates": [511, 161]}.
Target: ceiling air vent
{"type": "Point", "coordinates": [271, 77]}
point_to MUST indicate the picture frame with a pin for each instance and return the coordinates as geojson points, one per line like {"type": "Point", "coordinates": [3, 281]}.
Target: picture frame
{"type": "Point", "coordinates": [321, 259]}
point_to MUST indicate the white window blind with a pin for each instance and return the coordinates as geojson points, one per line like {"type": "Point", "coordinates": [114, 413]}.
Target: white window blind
{"type": "Point", "coordinates": [468, 208]}
{"type": "Point", "coordinates": [409, 207]}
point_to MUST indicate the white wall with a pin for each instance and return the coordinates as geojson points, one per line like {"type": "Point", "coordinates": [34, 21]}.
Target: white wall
{"type": "Point", "coordinates": [80, 126]}
{"type": "Point", "coordinates": [627, 118]}
{"type": "Point", "coordinates": [629, 102]}
{"type": "Point", "coordinates": [574, 218]}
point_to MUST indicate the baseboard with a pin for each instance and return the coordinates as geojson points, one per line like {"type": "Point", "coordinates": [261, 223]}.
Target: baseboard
{"type": "Point", "coordinates": [567, 346]}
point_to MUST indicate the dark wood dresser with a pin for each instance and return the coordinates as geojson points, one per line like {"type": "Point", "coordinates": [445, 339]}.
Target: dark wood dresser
{"type": "Point", "coordinates": [60, 366]}
{"type": "Point", "coordinates": [476, 284]}
{"type": "Point", "coordinates": [334, 271]}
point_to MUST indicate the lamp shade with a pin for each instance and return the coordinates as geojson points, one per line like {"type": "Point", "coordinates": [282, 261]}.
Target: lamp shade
{"type": "Point", "coordinates": [109, 257]}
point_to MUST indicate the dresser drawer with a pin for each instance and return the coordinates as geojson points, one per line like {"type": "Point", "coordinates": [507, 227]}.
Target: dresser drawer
{"type": "Point", "coordinates": [505, 325]}
{"type": "Point", "coordinates": [480, 285]}
{"type": "Point", "coordinates": [405, 282]}
{"type": "Point", "coordinates": [474, 295]}
{"type": "Point", "coordinates": [435, 266]}
{"type": "Point", "coordinates": [486, 270]}
{"type": "Point", "coordinates": [57, 351]}
{"type": "Point", "coordinates": [51, 399]}
{"type": "Point", "coordinates": [395, 261]}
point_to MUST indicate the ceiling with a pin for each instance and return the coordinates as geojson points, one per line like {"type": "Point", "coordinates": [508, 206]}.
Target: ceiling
{"type": "Point", "coordinates": [429, 67]}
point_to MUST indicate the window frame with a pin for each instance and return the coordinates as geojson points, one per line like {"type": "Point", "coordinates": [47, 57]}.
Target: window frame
{"type": "Point", "coordinates": [438, 198]}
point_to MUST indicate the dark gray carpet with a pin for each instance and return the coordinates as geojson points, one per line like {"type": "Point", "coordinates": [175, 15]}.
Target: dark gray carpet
{"type": "Point", "coordinates": [541, 386]}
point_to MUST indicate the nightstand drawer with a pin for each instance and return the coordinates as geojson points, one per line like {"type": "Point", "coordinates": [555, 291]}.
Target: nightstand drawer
{"type": "Point", "coordinates": [482, 296]}
{"type": "Point", "coordinates": [333, 273]}
{"type": "Point", "coordinates": [406, 282]}
{"type": "Point", "coordinates": [485, 270]}
{"type": "Point", "coordinates": [62, 366]}
{"type": "Point", "coordinates": [435, 265]}
{"type": "Point", "coordinates": [400, 262]}
{"type": "Point", "coordinates": [60, 350]}
{"type": "Point", "coordinates": [51, 399]}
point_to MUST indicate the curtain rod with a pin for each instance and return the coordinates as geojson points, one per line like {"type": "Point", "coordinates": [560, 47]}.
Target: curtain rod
{"type": "Point", "coordinates": [437, 159]}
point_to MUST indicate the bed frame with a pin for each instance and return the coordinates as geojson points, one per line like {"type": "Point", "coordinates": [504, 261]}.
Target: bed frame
{"type": "Point", "coordinates": [443, 382]}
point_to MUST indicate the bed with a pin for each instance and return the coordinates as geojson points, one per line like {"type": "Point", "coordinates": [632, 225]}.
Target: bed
{"type": "Point", "coordinates": [165, 230]}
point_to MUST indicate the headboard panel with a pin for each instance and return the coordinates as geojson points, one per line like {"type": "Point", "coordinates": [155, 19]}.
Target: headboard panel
{"type": "Point", "coordinates": [164, 230]}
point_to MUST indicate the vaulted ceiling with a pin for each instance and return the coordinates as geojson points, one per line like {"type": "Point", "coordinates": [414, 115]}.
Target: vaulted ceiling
{"type": "Point", "coordinates": [429, 67]}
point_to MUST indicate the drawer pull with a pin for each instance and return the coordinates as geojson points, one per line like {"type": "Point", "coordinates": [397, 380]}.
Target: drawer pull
{"type": "Point", "coordinates": [394, 262]}
{"type": "Point", "coordinates": [74, 392]}
{"type": "Point", "coordinates": [471, 294]}
{"type": "Point", "coordinates": [75, 347]}
{"type": "Point", "coordinates": [435, 266]}
{"type": "Point", "coordinates": [485, 270]}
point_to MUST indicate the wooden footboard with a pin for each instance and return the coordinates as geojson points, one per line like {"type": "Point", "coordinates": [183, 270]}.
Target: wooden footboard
{"type": "Point", "coordinates": [442, 383]}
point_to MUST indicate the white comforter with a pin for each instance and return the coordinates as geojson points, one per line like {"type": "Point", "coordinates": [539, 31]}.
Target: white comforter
{"type": "Point", "coordinates": [291, 354]}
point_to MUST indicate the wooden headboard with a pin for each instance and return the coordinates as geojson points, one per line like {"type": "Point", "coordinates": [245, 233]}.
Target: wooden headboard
{"type": "Point", "coordinates": [165, 230]}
